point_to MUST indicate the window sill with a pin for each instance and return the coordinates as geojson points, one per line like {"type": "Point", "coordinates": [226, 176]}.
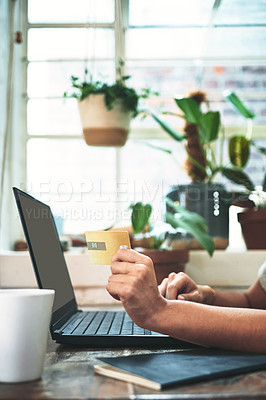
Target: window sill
{"type": "Point", "coordinates": [224, 269]}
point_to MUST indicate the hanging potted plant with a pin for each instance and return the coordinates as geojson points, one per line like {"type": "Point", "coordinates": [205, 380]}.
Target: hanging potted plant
{"type": "Point", "coordinates": [106, 109]}
{"type": "Point", "coordinates": [155, 239]}
{"type": "Point", "coordinates": [204, 195]}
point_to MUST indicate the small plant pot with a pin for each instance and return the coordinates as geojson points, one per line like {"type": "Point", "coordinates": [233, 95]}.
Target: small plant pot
{"type": "Point", "coordinates": [253, 225]}
{"type": "Point", "coordinates": [166, 261]}
{"type": "Point", "coordinates": [102, 127]}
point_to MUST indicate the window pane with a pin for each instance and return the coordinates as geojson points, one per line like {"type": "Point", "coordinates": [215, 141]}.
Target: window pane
{"type": "Point", "coordinates": [222, 43]}
{"type": "Point", "coordinates": [174, 80]}
{"type": "Point", "coordinates": [148, 173]}
{"type": "Point", "coordinates": [163, 43]}
{"type": "Point", "coordinates": [55, 76]}
{"type": "Point", "coordinates": [241, 12]}
{"type": "Point", "coordinates": [53, 116]}
{"type": "Point", "coordinates": [70, 43]}
{"type": "Point", "coordinates": [237, 42]}
{"type": "Point", "coordinates": [70, 11]}
{"type": "Point", "coordinates": [169, 12]}
{"type": "Point", "coordinates": [68, 175]}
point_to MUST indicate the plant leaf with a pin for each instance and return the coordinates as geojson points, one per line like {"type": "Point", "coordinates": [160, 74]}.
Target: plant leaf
{"type": "Point", "coordinates": [153, 146]}
{"type": "Point", "coordinates": [239, 150]}
{"type": "Point", "coordinates": [239, 106]}
{"type": "Point", "coordinates": [175, 135]}
{"type": "Point", "coordinates": [140, 216]}
{"type": "Point", "coordinates": [198, 219]}
{"type": "Point", "coordinates": [190, 109]}
{"type": "Point", "coordinates": [237, 176]}
{"type": "Point", "coordinates": [260, 149]}
{"type": "Point", "coordinates": [210, 124]}
{"type": "Point", "coordinates": [187, 223]}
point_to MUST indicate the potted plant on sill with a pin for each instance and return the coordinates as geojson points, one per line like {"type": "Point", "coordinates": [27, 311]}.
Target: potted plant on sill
{"type": "Point", "coordinates": [204, 195]}
{"type": "Point", "coordinates": [253, 218]}
{"type": "Point", "coordinates": [106, 109]}
{"type": "Point", "coordinates": [156, 240]}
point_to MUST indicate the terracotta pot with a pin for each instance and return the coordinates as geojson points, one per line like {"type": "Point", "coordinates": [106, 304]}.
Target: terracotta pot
{"type": "Point", "coordinates": [253, 225]}
{"type": "Point", "coordinates": [102, 127]}
{"type": "Point", "coordinates": [166, 261]}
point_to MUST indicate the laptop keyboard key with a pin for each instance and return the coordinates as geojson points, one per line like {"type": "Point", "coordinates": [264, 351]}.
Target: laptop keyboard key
{"type": "Point", "coordinates": [106, 323]}
{"type": "Point", "coordinates": [137, 330]}
{"type": "Point", "coordinates": [80, 329]}
{"type": "Point", "coordinates": [117, 323]}
{"type": "Point", "coordinates": [93, 327]}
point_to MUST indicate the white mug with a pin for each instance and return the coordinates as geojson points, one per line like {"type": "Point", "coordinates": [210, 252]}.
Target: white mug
{"type": "Point", "coordinates": [25, 316]}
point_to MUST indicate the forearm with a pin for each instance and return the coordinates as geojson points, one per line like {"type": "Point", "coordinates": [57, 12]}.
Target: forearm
{"type": "Point", "coordinates": [225, 298]}
{"type": "Point", "coordinates": [228, 328]}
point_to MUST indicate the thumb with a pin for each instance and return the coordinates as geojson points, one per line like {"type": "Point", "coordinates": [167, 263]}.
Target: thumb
{"type": "Point", "coordinates": [162, 287]}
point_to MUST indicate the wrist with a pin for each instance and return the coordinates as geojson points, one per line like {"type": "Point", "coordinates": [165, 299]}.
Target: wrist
{"type": "Point", "coordinates": [156, 320]}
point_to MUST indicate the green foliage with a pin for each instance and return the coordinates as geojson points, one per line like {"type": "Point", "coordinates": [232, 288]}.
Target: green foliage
{"type": "Point", "coordinates": [140, 216]}
{"type": "Point", "coordinates": [237, 176]}
{"type": "Point", "coordinates": [238, 104]}
{"type": "Point", "coordinates": [175, 135]}
{"type": "Point", "coordinates": [209, 127]}
{"type": "Point", "coordinates": [192, 223]}
{"type": "Point", "coordinates": [239, 150]}
{"type": "Point", "coordinates": [128, 96]}
{"type": "Point", "coordinates": [189, 221]}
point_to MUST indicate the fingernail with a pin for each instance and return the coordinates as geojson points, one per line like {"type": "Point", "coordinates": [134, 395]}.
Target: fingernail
{"type": "Point", "coordinates": [180, 297]}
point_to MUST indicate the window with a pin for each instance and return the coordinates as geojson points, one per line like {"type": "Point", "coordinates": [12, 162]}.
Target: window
{"type": "Point", "coordinates": [171, 46]}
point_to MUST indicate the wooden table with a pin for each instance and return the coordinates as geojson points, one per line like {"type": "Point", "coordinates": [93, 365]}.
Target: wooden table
{"type": "Point", "coordinates": [68, 374]}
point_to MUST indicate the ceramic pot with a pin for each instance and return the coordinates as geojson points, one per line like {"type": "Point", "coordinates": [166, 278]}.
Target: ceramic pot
{"type": "Point", "coordinates": [102, 127]}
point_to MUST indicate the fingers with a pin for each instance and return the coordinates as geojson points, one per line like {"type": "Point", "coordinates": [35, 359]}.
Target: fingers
{"type": "Point", "coordinates": [127, 261]}
{"type": "Point", "coordinates": [181, 287]}
{"type": "Point", "coordinates": [131, 256]}
{"type": "Point", "coordinates": [192, 296]}
{"type": "Point", "coordinates": [176, 284]}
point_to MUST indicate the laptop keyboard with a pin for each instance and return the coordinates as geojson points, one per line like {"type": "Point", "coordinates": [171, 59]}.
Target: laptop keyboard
{"type": "Point", "coordinates": [103, 323]}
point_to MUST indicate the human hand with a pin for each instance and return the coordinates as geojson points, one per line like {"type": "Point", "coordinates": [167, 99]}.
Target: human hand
{"type": "Point", "coordinates": [133, 281]}
{"type": "Point", "coordinates": [181, 287]}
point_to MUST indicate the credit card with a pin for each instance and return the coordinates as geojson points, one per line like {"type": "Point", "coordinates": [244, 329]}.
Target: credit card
{"type": "Point", "coordinates": [102, 245]}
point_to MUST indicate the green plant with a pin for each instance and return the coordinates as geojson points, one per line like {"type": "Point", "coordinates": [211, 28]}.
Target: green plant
{"type": "Point", "coordinates": [128, 96]}
{"type": "Point", "coordinates": [157, 234]}
{"type": "Point", "coordinates": [201, 131]}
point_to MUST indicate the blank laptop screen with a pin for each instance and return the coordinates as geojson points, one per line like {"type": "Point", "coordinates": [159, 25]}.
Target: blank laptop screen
{"type": "Point", "coordinates": [47, 250]}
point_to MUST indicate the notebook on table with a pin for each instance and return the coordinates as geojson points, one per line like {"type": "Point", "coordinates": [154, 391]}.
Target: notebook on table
{"type": "Point", "coordinates": [70, 325]}
{"type": "Point", "coordinates": [159, 371]}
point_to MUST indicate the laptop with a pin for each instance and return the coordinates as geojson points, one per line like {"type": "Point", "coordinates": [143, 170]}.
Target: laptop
{"type": "Point", "coordinates": [70, 325]}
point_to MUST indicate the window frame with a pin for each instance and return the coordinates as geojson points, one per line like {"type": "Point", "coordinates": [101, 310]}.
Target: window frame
{"type": "Point", "coordinates": [120, 26]}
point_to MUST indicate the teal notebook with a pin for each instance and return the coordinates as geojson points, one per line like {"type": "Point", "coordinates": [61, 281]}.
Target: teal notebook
{"type": "Point", "coordinates": [164, 370]}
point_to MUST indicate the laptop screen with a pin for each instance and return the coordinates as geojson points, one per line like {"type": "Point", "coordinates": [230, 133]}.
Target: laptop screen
{"type": "Point", "coordinates": [46, 252]}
